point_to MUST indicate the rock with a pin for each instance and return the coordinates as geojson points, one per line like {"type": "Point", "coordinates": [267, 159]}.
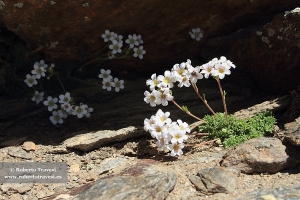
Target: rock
{"type": "Point", "coordinates": [63, 197]}
{"type": "Point", "coordinates": [58, 150]}
{"type": "Point", "coordinates": [127, 187]}
{"type": "Point", "coordinates": [292, 132]}
{"type": "Point", "coordinates": [276, 105]}
{"type": "Point", "coordinates": [29, 146]}
{"type": "Point", "coordinates": [257, 155]}
{"type": "Point", "coordinates": [91, 141]}
{"type": "Point", "coordinates": [215, 180]}
{"type": "Point", "coordinates": [286, 193]}
{"type": "Point", "coordinates": [16, 197]}
{"type": "Point", "coordinates": [110, 163]}
{"type": "Point", "coordinates": [20, 153]}
{"type": "Point", "coordinates": [21, 188]}
{"type": "Point", "coordinates": [268, 52]}
{"type": "Point", "coordinates": [74, 168]}
{"type": "Point", "coordinates": [48, 26]}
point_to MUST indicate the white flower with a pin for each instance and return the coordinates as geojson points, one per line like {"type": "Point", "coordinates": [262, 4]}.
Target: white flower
{"type": "Point", "coordinates": [88, 110]}
{"type": "Point", "coordinates": [223, 60]}
{"type": "Point", "coordinates": [183, 126]}
{"type": "Point", "coordinates": [153, 82]}
{"type": "Point", "coordinates": [132, 40]}
{"type": "Point", "coordinates": [195, 74]}
{"type": "Point", "coordinates": [176, 149]}
{"type": "Point", "coordinates": [184, 81]}
{"type": "Point", "coordinates": [148, 123]}
{"type": "Point", "coordinates": [51, 103]}
{"type": "Point", "coordinates": [178, 136]}
{"type": "Point", "coordinates": [119, 84]}
{"type": "Point", "coordinates": [178, 69]}
{"type": "Point", "coordinates": [167, 80]}
{"type": "Point", "coordinates": [41, 64]}
{"type": "Point", "coordinates": [139, 39]}
{"type": "Point", "coordinates": [66, 106]}
{"type": "Point", "coordinates": [118, 38]}
{"type": "Point", "coordinates": [80, 111]}
{"type": "Point", "coordinates": [207, 68]}
{"type": "Point", "coordinates": [139, 52]}
{"type": "Point", "coordinates": [105, 74]}
{"type": "Point", "coordinates": [39, 71]}
{"type": "Point", "coordinates": [157, 129]}
{"type": "Point", "coordinates": [116, 47]}
{"type": "Point", "coordinates": [196, 34]}
{"type": "Point", "coordinates": [162, 141]}
{"type": "Point", "coordinates": [30, 80]}
{"type": "Point", "coordinates": [151, 97]}
{"type": "Point", "coordinates": [164, 96]}
{"type": "Point", "coordinates": [162, 117]}
{"type": "Point", "coordinates": [107, 84]}
{"type": "Point", "coordinates": [38, 97]}
{"type": "Point", "coordinates": [64, 98]}
{"type": "Point", "coordinates": [220, 70]}
{"type": "Point", "coordinates": [56, 117]}
{"type": "Point", "coordinates": [64, 113]}
{"type": "Point", "coordinates": [107, 35]}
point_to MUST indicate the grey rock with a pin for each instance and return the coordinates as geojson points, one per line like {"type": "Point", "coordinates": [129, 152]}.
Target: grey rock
{"type": "Point", "coordinates": [147, 187]}
{"type": "Point", "coordinates": [292, 132]}
{"type": "Point", "coordinates": [275, 105]}
{"type": "Point", "coordinates": [217, 157]}
{"type": "Point", "coordinates": [289, 193]}
{"type": "Point", "coordinates": [21, 188]}
{"type": "Point", "coordinates": [92, 141]}
{"type": "Point", "coordinates": [216, 180]}
{"type": "Point", "coordinates": [20, 153]}
{"type": "Point", "coordinates": [258, 155]}
{"type": "Point", "coordinates": [29, 197]}
{"type": "Point", "coordinates": [58, 150]}
{"type": "Point", "coordinates": [110, 163]}
{"type": "Point", "coordinates": [69, 185]}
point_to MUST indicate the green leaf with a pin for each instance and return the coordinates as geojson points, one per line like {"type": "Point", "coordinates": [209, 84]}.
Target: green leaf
{"type": "Point", "coordinates": [185, 109]}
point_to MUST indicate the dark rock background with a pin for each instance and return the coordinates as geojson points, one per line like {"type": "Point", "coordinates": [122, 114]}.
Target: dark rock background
{"type": "Point", "coordinates": [71, 31]}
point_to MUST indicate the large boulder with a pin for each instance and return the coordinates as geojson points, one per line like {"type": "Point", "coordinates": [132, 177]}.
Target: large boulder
{"type": "Point", "coordinates": [268, 52]}
{"type": "Point", "coordinates": [71, 30]}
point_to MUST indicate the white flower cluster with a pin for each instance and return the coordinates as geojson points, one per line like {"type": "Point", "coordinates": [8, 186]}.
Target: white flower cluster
{"type": "Point", "coordinates": [117, 43]}
{"type": "Point", "coordinates": [67, 104]}
{"type": "Point", "coordinates": [109, 82]}
{"type": "Point", "coordinates": [196, 34]}
{"type": "Point", "coordinates": [170, 135]}
{"type": "Point", "coordinates": [185, 74]}
{"type": "Point", "coordinates": [39, 71]}
{"type": "Point", "coordinates": [159, 125]}
{"type": "Point", "coordinates": [67, 107]}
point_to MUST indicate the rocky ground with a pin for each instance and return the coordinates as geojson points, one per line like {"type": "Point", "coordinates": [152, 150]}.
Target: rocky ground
{"type": "Point", "coordinates": [110, 154]}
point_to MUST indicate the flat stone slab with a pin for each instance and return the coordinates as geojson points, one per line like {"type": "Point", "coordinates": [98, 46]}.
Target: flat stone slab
{"type": "Point", "coordinates": [288, 193]}
{"type": "Point", "coordinates": [215, 180]}
{"type": "Point", "coordinates": [149, 186]}
{"type": "Point", "coordinates": [91, 141]}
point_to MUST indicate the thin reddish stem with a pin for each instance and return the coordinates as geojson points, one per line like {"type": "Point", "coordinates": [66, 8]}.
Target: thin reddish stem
{"type": "Point", "coordinates": [187, 112]}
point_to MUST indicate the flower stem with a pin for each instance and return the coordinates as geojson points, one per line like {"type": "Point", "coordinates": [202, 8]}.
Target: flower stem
{"type": "Point", "coordinates": [204, 101]}
{"type": "Point", "coordinates": [223, 98]}
{"type": "Point", "coordinates": [188, 112]}
{"type": "Point", "coordinates": [62, 86]}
